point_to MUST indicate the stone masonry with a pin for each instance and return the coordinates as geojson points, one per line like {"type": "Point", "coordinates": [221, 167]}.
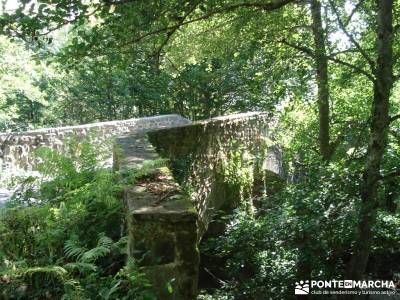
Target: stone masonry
{"type": "Point", "coordinates": [167, 220]}
{"type": "Point", "coordinates": [161, 220]}
{"type": "Point", "coordinates": [17, 148]}
{"type": "Point", "coordinates": [192, 171]}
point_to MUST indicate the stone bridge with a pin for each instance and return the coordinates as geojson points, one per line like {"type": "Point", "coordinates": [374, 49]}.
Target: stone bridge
{"type": "Point", "coordinates": [17, 148]}
{"type": "Point", "coordinates": [190, 171]}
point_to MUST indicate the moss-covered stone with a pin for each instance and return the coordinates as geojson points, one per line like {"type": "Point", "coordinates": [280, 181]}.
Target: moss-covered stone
{"type": "Point", "coordinates": [218, 160]}
{"type": "Point", "coordinates": [161, 221]}
{"type": "Point", "coordinates": [214, 166]}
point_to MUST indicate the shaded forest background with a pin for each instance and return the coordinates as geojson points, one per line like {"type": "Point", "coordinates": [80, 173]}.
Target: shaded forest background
{"type": "Point", "coordinates": [327, 71]}
{"type": "Point", "coordinates": [44, 84]}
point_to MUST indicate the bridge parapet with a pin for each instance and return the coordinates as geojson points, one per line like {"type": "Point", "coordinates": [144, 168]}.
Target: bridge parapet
{"type": "Point", "coordinates": [211, 157]}
{"type": "Point", "coordinates": [208, 159]}
{"type": "Point", "coordinates": [17, 148]}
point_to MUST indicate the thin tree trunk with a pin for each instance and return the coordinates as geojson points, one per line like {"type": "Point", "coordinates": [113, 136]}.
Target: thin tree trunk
{"type": "Point", "coordinates": [321, 64]}
{"type": "Point", "coordinates": [377, 141]}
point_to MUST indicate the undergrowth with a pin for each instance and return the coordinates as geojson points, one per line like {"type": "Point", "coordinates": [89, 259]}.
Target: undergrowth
{"type": "Point", "coordinates": [63, 234]}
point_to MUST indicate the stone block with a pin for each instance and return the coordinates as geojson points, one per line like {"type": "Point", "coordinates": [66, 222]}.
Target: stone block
{"type": "Point", "coordinates": [161, 221]}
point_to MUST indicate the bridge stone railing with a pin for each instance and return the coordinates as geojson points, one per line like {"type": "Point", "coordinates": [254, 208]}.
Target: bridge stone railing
{"type": "Point", "coordinates": [202, 154]}
{"type": "Point", "coordinates": [17, 148]}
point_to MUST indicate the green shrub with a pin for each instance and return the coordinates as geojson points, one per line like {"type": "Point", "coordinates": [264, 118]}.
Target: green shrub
{"type": "Point", "coordinates": [304, 231]}
{"type": "Point", "coordinates": [62, 236]}
{"type": "Point", "coordinates": [292, 232]}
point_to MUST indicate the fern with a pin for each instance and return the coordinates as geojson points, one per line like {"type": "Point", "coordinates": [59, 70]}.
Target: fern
{"type": "Point", "coordinates": [106, 293]}
{"type": "Point", "coordinates": [79, 199]}
{"type": "Point", "coordinates": [120, 245]}
{"type": "Point", "coordinates": [55, 271]}
{"type": "Point", "coordinates": [105, 241]}
{"type": "Point", "coordinates": [73, 250]}
{"type": "Point", "coordinates": [103, 248]}
{"type": "Point", "coordinates": [52, 270]}
{"type": "Point", "coordinates": [81, 267]}
{"type": "Point", "coordinates": [94, 254]}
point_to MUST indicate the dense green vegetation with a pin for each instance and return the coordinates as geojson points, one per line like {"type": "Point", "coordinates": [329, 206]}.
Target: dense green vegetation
{"type": "Point", "coordinates": [64, 238]}
{"type": "Point", "coordinates": [327, 72]}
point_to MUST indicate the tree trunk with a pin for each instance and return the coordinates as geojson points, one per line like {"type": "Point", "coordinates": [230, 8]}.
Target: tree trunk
{"type": "Point", "coordinates": [377, 140]}
{"type": "Point", "coordinates": [304, 268]}
{"type": "Point", "coordinates": [321, 64]}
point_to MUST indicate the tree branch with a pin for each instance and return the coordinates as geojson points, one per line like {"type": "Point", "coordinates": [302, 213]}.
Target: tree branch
{"type": "Point", "coordinates": [274, 5]}
{"type": "Point", "coordinates": [395, 134]}
{"type": "Point", "coordinates": [394, 118]}
{"type": "Point", "coordinates": [357, 144]}
{"type": "Point", "coordinates": [390, 175]}
{"type": "Point", "coordinates": [302, 49]}
{"type": "Point", "coordinates": [173, 30]}
{"type": "Point", "coordinates": [311, 54]}
{"type": "Point", "coordinates": [68, 21]}
{"type": "Point", "coordinates": [359, 4]}
{"type": "Point", "coordinates": [119, 2]}
{"type": "Point", "coordinates": [340, 137]}
{"type": "Point", "coordinates": [351, 38]}
{"type": "Point", "coordinates": [333, 54]}
{"type": "Point", "coordinates": [354, 67]}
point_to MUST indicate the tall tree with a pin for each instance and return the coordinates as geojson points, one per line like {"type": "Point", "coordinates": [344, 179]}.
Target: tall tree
{"type": "Point", "coordinates": [382, 85]}
{"type": "Point", "coordinates": [321, 66]}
